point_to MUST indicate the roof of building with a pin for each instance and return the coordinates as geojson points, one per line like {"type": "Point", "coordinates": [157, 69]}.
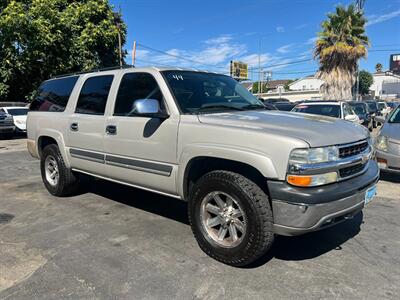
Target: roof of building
{"type": "Point", "coordinates": [247, 84]}
{"type": "Point", "coordinates": [272, 84]}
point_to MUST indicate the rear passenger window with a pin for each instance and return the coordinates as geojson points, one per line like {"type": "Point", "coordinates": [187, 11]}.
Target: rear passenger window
{"type": "Point", "coordinates": [53, 95]}
{"type": "Point", "coordinates": [93, 97]}
{"type": "Point", "coordinates": [136, 86]}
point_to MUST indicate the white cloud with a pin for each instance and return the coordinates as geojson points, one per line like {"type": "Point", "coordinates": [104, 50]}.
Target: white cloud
{"type": "Point", "coordinates": [301, 26]}
{"type": "Point", "coordinates": [375, 19]}
{"type": "Point", "coordinates": [285, 48]}
{"type": "Point", "coordinates": [311, 41]}
{"type": "Point", "coordinates": [222, 39]}
{"type": "Point", "coordinates": [280, 29]}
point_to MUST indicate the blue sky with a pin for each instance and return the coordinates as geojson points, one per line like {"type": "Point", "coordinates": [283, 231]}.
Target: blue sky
{"type": "Point", "coordinates": [211, 33]}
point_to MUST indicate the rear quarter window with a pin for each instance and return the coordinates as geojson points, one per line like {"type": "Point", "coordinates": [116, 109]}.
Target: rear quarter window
{"type": "Point", "coordinates": [53, 95]}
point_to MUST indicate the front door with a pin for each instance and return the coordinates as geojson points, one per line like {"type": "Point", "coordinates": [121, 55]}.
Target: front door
{"type": "Point", "coordinates": [86, 125]}
{"type": "Point", "coordinates": [141, 150]}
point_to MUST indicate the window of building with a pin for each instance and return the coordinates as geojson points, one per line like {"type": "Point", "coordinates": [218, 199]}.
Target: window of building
{"type": "Point", "coordinates": [93, 96]}
{"type": "Point", "coordinates": [135, 86]}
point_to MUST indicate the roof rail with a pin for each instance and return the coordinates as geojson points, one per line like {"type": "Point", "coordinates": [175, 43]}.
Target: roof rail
{"type": "Point", "coordinates": [93, 70]}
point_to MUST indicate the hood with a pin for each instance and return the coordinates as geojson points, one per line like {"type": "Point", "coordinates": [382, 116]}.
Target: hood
{"type": "Point", "coordinates": [316, 130]}
{"type": "Point", "coordinates": [391, 130]}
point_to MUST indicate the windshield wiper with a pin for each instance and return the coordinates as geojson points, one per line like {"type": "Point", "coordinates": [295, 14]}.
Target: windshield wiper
{"type": "Point", "coordinates": [213, 106]}
{"type": "Point", "coordinates": [253, 106]}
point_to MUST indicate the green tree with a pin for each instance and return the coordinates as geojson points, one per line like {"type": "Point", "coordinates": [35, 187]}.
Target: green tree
{"type": "Point", "coordinates": [42, 38]}
{"type": "Point", "coordinates": [378, 67]}
{"type": "Point", "coordinates": [365, 81]}
{"type": "Point", "coordinates": [340, 44]}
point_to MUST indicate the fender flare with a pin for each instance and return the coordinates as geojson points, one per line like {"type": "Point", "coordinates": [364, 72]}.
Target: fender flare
{"type": "Point", "coordinates": [58, 137]}
{"type": "Point", "coordinates": [252, 158]}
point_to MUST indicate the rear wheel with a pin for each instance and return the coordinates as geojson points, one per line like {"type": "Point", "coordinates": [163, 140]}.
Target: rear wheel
{"type": "Point", "coordinates": [57, 178]}
{"type": "Point", "coordinates": [231, 218]}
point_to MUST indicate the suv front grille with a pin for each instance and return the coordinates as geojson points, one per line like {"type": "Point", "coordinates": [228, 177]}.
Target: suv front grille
{"type": "Point", "coordinates": [350, 171]}
{"type": "Point", "coordinates": [351, 150]}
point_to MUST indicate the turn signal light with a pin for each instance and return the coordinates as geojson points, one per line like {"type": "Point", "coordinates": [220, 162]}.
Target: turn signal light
{"type": "Point", "coordinates": [311, 180]}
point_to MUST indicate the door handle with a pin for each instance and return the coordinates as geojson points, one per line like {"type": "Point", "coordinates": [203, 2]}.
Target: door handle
{"type": "Point", "coordinates": [74, 127]}
{"type": "Point", "coordinates": [111, 129]}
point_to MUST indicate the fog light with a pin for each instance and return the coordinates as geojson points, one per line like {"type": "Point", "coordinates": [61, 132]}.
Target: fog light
{"type": "Point", "coordinates": [382, 163]}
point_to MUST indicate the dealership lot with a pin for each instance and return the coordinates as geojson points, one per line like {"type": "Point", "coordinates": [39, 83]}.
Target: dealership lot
{"type": "Point", "coordinates": [116, 242]}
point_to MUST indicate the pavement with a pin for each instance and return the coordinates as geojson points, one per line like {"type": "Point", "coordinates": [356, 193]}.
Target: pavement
{"type": "Point", "coordinates": [117, 242]}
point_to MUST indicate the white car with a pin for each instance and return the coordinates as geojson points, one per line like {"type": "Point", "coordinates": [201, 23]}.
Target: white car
{"type": "Point", "coordinates": [384, 108]}
{"type": "Point", "coordinates": [336, 109]}
{"type": "Point", "coordinates": [19, 115]}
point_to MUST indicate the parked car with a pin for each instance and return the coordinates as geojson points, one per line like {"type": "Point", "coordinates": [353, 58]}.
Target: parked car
{"type": "Point", "coordinates": [275, 100]}
{"type": "Point", "coordinates": [361, 110]}
{"type": "Point", "coordinates": [393, 105]}
{"type": "Point", "coordinates": [246, 172]}
{"type": "Point", "coordinates": [19, 116]}
{"type": "Point", "coordinates": [383, 108]}
{"type": "Point", "coordinates": [7, 127]}
{"type": "Point", "coordinates": [373, 110]}
{"type": "Point", "coordinates": [336, 109]}
{"type": "Point", "coordinates": [284, 106]}
{"type": "Point", "coordinates": [388, 143]}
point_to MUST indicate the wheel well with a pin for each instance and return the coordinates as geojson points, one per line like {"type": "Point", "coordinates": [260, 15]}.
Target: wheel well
{"type": "Point", "coordinates": [199, 166]}
{"type": "Point", "coordinates": [45, 141]}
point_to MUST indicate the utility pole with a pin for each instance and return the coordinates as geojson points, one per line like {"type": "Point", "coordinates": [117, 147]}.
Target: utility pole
{"type": "Point", "coordinates": [259, 67]}
{"type": "Point", "coordinates": [134, 53]}
{"type": "Point", "coordinates": [117, 17]}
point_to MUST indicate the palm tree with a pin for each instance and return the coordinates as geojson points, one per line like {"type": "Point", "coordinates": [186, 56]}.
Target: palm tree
{"type": "Point", "coordinates": [378, 67]}
{"type": "Point", "coordinates": [340, 44]}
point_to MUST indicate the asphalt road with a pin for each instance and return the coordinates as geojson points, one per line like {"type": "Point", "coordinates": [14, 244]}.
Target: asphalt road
{"type": "Point", "coordinates": [116, 242]}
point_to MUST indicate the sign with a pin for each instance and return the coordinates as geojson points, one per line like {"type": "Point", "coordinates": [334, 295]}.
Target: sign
{"type": "Point", "coordinates": [239, 70]}
{"type": "Point", "coordinates": [394, 64]}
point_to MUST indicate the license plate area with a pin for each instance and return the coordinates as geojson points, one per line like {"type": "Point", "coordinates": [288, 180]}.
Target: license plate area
{"type": "Point", "coordinates": [370, 194]}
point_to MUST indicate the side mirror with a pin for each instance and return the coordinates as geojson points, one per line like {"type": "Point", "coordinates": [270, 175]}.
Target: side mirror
{"type": "Point", "coordinates": [352, 118]}
{"type": "Point", "coordinates": [148, 108]}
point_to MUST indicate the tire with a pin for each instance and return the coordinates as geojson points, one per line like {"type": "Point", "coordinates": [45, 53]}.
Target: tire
{"type": "Point", "coordinates": [248, 198]}
{"type": "Point", "coordinates": [67, 182]}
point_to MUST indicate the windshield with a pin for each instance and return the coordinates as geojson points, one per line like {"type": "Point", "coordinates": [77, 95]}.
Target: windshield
{"type": "Point", "coordinates": [395, 116]}
{"type": "Point", "coordinates": [18, 111]}
{"type": "Point", "coordinates": [381, 105]}
{"type": "Point", "coordinates": [371, 106]}
{"type": "Point", "coordinates": [319, 109]}
{"type": "Point", "coordinates": [197, 92]}
{"type": "Point", "coordinates": [359, 108]}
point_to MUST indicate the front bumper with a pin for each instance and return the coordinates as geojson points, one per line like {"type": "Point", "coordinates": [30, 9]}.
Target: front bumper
{"type": "Point", "coordinates": [392, 161]}
{"type": "Point", "coordinates": [7, 129]}
{"type": "Point", "coordinates": [300, 210]}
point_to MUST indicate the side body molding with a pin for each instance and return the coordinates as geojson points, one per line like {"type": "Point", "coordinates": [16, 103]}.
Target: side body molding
{"type": "Point", "coordinates": [255, 159]}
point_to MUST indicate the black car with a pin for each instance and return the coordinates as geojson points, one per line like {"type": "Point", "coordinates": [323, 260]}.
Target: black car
{"type": "Point", "coordinates": [361, 110]}
{"type": "Point", "coordinates": [274, 100]}
{"type": "Point", "coordinates": [373, 111]}
{"type": "Point", "coordinates": [284, 106]}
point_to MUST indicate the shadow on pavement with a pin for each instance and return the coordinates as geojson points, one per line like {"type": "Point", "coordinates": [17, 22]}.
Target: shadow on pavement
{"type": "Point", "coordinates": [390, 177]}
{"type": "Point", "coordinates": [285, 248]}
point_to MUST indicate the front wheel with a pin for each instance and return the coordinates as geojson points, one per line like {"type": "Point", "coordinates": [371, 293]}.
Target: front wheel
{"type": "Point", "coordinates": [58, 179]}
{"type": "Point", "coordinates": [231, 218]}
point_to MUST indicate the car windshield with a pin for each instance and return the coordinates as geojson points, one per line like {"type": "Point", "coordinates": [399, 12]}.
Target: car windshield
{"type": "Point", "coordinates": [319, 109]}
{"type": "Point", "coordinates": [395, 116]}
{"type": "Point", "coordinates": [18, 111]}
{"type": "Point", "coordinates": [381, 105]}
{"type": "Point", "coordinates": [359, 108]}
{"type": "Point", "coordinates": [199, 92]}
{"type": "Point", "coordinates": [371, 106]}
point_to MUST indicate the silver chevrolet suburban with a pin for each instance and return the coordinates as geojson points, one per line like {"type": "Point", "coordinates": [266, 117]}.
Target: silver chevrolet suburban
{"type": "Point", "coordinates": [247, 173]}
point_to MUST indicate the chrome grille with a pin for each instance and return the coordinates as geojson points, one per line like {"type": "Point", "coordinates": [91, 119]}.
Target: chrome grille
{"type": "Point", "coordinates": [353, 149]}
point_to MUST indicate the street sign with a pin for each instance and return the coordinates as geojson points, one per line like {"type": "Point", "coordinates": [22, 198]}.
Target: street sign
{"type": "Point", "coordinates": [239, 70]}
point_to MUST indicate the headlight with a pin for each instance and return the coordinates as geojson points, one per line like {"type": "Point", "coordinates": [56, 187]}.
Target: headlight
{"type": "Point", "coordinates": [314, 155]}
{"type": "Point", "coordinates": [19, 122]}
{"type": "Point", "coordinates": [382, 143]}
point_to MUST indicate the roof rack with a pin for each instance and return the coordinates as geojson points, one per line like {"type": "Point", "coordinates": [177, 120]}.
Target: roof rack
{"type": "Point", "coordinates": [94, 70]}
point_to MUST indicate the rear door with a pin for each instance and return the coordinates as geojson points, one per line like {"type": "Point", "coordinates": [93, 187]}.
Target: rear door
{"type": "Point", "coordinates": [86, 125]}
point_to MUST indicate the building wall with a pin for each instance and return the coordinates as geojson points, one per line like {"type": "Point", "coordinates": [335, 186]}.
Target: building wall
{"type": "Point", "coordinates": [308, 83]}
{"type": "Point", "coordinates": [385, 85]}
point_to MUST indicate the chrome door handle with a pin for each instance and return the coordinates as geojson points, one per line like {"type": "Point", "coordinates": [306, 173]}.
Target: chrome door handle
{"type": "Point", "coordinates": [74, 127]}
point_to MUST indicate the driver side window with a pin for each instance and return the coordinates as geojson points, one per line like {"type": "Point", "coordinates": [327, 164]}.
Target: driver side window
{"type": "Point", "coordinates": [135, 86]}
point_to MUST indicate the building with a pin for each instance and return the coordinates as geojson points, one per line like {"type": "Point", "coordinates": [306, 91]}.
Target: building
{"type": "Point", "coordinates": [386, 85]}
{"type": "Point", "coordinates": [309, 83]}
